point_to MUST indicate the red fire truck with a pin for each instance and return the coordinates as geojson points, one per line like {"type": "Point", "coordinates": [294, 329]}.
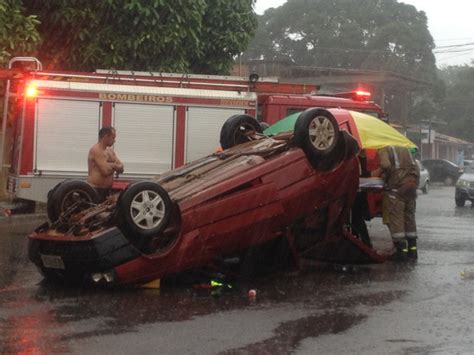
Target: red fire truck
{"type": "Point", "coordinates": [163, 120]}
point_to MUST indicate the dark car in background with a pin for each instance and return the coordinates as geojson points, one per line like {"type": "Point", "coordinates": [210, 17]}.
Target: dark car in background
{"type": "Point", "coordinates": [465, 187]}
{"type": "Point", "coordinates": [442, 170]}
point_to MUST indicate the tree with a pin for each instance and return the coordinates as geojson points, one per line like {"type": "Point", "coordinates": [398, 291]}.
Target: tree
{"type": "Point", "coordinates": [458, 107]}
{"type": "Point", "coordinates": [363, 34]}
{"type": "Point", "coordinates": [18, 34]}
{"type": "Point", "coordinates": [381, 35]}
{"type": "Point", "coordinates": [179, 35]}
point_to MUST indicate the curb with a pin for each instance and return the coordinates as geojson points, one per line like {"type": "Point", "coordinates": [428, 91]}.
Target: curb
{"type": "Point", "coordinates": [21, 217]}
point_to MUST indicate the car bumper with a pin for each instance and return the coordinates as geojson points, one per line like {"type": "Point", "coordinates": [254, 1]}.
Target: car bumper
{"type": "Point", "coordinates": [464, 193]}
{"type": "Point", "coordinates": [81, 259]}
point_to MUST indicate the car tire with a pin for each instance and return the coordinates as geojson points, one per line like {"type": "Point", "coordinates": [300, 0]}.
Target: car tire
{"type": "Point", "coordinates": [234, 130]}
{"type": "Point", "coordinates": [460, 202]}
{"type": "Point", "coordinates": [347, 148]}
{"type": "Point", "coordinates": [351, 145]}
{"type": "Point", "coordinates": [144, 211]}
{"type": "Point", "coordinates": [426, 187]}
{"type": "Point", "coordinates": [317, 133]}
{"type": "Point", "coordinates": [449, 181]}
{"type": "Point", "coordinates": [67, 193]}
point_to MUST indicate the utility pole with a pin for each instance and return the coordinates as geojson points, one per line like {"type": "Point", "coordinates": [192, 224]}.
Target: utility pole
{"type": "Point", "coordinates": [429, 137]}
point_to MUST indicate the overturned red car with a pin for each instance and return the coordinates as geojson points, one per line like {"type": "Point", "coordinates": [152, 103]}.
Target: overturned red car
{"type": "Point", "coordinates": [297, 186]}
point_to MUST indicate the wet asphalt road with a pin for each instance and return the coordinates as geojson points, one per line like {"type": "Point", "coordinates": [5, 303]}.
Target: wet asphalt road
{"type": "Point", "coordinates": [375, 309]}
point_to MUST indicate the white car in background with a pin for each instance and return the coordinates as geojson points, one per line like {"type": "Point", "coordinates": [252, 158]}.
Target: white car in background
{"type": "Point", "coordinates": [424, 183]}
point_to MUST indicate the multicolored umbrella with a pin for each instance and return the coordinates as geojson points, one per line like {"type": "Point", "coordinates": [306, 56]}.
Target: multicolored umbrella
{"type": "Point", "coordinates": [373, 132]}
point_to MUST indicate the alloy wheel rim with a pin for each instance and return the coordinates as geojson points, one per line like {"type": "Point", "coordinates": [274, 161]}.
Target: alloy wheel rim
{"type": "Point", "coordinates": [147, 209]}
{"type": "Point", "coordinates": [321, 133]}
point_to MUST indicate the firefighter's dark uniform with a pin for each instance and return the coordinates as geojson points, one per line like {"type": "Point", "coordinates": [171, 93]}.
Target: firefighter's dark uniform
{"type": "Point", "coordinates": [401, 176]}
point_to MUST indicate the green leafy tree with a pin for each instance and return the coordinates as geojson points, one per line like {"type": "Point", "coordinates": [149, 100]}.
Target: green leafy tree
{"type": "Point", "coordinates": [18, 34]}
{"type": "Point", "coordinates": [179, 35]}
{"type": "Point", "coordinates": [458, 107]}
{"type": "Point", "coordinates": [363, 34]}
{"type": "Point", "coordinates": [381, 35]}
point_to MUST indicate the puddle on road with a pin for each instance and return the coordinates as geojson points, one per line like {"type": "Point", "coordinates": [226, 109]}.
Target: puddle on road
{"type": "Point", "coordinates": [289, 335]}
{"type": "Point", "coordinates": [45, 318]}
{"type": "Point", "coordinates": [333, 320]}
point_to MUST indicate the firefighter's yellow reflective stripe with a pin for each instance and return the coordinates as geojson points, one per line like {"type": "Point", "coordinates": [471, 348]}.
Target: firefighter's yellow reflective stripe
{"type": "Point", "coordinates": [395, 157]}
{"type": "Point", "coordinates": [405, 246]}
{"type": "Point", "coordinates": [412, 248]}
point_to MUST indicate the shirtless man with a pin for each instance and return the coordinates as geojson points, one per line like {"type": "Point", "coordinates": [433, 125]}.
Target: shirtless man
{"type": "Point", "coordinates": [103, 162]}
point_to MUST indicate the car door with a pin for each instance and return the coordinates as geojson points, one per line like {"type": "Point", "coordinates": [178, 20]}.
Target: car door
{"type": "Point", "coordinates": [438, 170]}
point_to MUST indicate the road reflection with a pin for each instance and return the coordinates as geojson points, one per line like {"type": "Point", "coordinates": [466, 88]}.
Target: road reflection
{"type": "Point", "coordinates": [40, 317]}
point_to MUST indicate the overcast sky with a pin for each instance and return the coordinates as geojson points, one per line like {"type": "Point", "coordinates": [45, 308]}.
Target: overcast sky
{"type": "Point", "coordinates": [450, 23]}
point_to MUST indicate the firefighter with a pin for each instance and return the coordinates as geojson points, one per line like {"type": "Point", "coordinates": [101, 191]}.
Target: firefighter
{"type": "Point", "coordinates": [401, 175]}
{"type": "Point", "coordinates": [103, 162]}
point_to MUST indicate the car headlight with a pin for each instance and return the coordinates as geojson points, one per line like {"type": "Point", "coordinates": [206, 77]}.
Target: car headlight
{"type": "Point", "coordinates": [462, 183]}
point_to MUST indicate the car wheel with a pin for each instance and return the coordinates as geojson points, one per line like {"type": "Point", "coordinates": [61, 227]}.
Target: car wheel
{"type": "Point", "coordinates": [426, 187]}
{"type": "Point", "coordinates": [346, 148]}
{"type": "Point", "coordinates": [317, 133]}
{"type": "Point", "coordinates": [237, 130]}
{"type": "Point", "coordinates": [351, 145]}
{"type": "Point", "coordinates": [460, 202]}
{"type": "Point", "coordinates": [145, 208]}
{"type": "Point", "coordinates": [448, 181]}
{"type": "Point", "coordinates": [67, 194]}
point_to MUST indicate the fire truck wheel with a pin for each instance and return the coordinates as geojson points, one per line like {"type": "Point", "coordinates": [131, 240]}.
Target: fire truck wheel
{"type": "Point", "coordinates": [238, 129]}
{"type": "Point", "coordinates": [145, 210]}
{"type": "Point", "coordinates": [317, 133]}
{"type": "Point", "coordinates": [68, 193]}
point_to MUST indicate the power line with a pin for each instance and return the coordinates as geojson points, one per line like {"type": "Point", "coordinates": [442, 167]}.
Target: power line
{"type": "Point", "coordinates": [452, 39]}
{"type": "Point", "coordinates": [453, 56]}
{"type": "Point", "coordinates": [456, 45]}
{"type": "Point", "coordinates": [454, 51]}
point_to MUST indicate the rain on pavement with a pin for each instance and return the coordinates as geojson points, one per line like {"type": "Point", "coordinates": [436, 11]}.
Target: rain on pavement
{"type": "Point", "coordinates": [371, 309]}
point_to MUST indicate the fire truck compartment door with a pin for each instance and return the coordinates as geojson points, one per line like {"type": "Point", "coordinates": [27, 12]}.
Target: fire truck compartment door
{"type": "Point", "coordinates": [203, 127]}
{"type": "Point", "coordinates": [65, 131]}
{"type": "Point", "coordinates": [145, 137]}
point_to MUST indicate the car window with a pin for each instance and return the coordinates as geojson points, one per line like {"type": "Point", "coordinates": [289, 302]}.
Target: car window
{"type": "Point", "coordinates": [428, 163]}
{"type": "Point", "coordinates": [447, 162]}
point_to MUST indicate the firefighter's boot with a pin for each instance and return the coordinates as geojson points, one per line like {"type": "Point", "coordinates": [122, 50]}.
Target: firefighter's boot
{"type": "Point", "coordinates": [401, 250]}
{"type": "Point", "coordinates": [412, 252]}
